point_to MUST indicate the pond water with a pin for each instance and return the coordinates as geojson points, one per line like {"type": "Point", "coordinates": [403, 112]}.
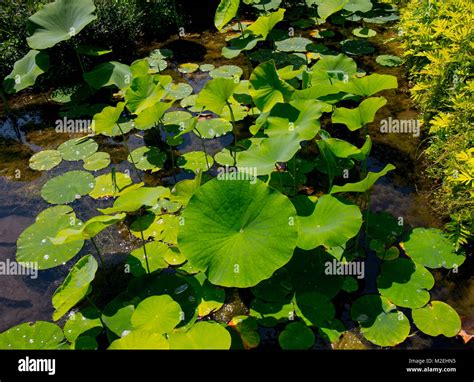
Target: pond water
{"type": "Point", "coordinates": [404, 192]}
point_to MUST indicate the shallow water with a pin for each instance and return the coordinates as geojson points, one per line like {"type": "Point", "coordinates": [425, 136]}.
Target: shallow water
{"type": "Point", "coordinates": [402, 192]}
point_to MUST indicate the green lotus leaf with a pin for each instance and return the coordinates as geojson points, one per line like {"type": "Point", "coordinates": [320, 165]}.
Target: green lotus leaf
{"type": "Point", "coordinates": [358, 6]}
{"type": "Point", "coordinates": [206, 67]}
{"type": "Point", "coordinates": [365, 184]}
{"type": "Point", "coordinates": [111, 184]}
{"type": "Point", "coordinates": [380, 322]}
{"type": "Point", "coordinates": [109, 73]}
{"type": "Point", "coordinates": [293, 44]}
{"type": "Point", "coordinates": [382, 19]}
{"type": "Point", "coordinates": [274, 289]}
{"type": "Point", "coordinates": [178, 91]}
{"type": "Point", "coordinates": [34, 246]}
{"type": "Point", "coordinates": [85, 322]}
{"type": "Point", "coordinates": [156, 65]}
{"type": "Point", "coordinates": [88, 230]}
{"type": "Point", "coordinates": [332, 330]}
{"type": "Point", "coordinates": [106, 121]}
{"type": "Point", "coordinates": [75, 287]}
{"type": "Point", "coordinates": [437, 318]}
{"type": "Point", "coordinates": [264, 5]}
{"type": "Point", "coordinates": [59, 21]}
{"type": "Point", "coordinates": [225, 12]}
{"type": "Point", "coordinates": [140, 340]}
{"type": "Point", "coordinates": [227, 71]}
{"type": "Point", "coordinates": [145, 91]}
{"type": "Point", "coordinates": [216, 94]}
{"type": "Point", "coordinates": [264, 153]}
{"type": "Point", "coordinates": [343, 149]}
{"type": "Point", "coordinates": [430, 247]}
{"type": "Point", "coordinates": [350, 284]}
{"type": "Point", "coordinates": [39, 335]}
{"type": "Point", "coordinates": [364, 32]}
{"type": "Point", "coordinates": [221, 214]}
{"type": "Point", "coordinates": [314, 308]}
{"type": "Point", "coordinates": [78, 148]}
{"type": "Point", "coordinates": [335, 67]}
{"type": "Point", "coordinates": [369, 85]}
{"type": "Point", "coordinates": [296, 336]}
{"type": "Point", "coordinates": [195, 161]}
{"type": "Point", "coordinates": [204, 335]}
{"type": "Point", "coordinates": [188, 68]}
{"type": "Point", "coordinates": [308, 273]}
{"type": "Point", "coordinates": [357, 47]}
{"type": "Point", "coordinates": [264, 24]}
{"type": "Point", "coordinates": [157, 314]}
{"type": "Point", "coordinates": [160, 227]}
{"type": "Point", "coordinates": [141, 264]}
{"type": "Point", "coordinates": [214, 127]}
{"type": "Point", "coordinates": [356, 118]}
{"type": "Point", "coordinates": [135, 199]}
{"type": "Point", "coordinates": [266, 87]}
{"type": "Point", "coordinates": [183, 119]}
{"type": "Point", "coordinates": [239, 44]}
{"type": "Point", "coordinates": [388, 60]}
{"type": "Point", "coordinates": [26, 71]}
{"type": "Point", "coordinates": [299, 118]}
{"type": "Point", "coordinates": [147, 158]}
{"type": "Point", "coordinates": [45, 160]}
{"type": "Point", "coordinates": [331, 224]}
{"type": "Point", "coordinates": [174, 257]}
{"type": "Point", "coordinates": [327, 7]}
{"type": "Point", "coordinates": [161, 53]}
{"type": "Point", "coordinates": [405, 283]}
{"type": "Point", "coordinates": [190, 103]}
{"type": "Point", "coordinates": [270, 314]}
{"type": "Point", "coordinates": [391, 253]}
{"type": "Point", "coordinates": [184, 189]}
{"type": "Point", "coordinates": [67, 187]}
{"type": "Point", "coordinates": [239, 112]}
{"type": "Point", "coordinates": [97, 161]}
{"type": "Point", "coordinates": [383, 226]}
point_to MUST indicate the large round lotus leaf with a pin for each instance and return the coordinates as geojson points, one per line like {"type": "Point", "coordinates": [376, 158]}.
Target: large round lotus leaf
{"type": "Point", "coordinates": [212, 128]}
{"type": "Point", "coordinates": [336, 66]}
{"type": "Point", "coordinates": [158, 314]}
{"type": "Point", "coordinates": [364, 32]}
{"type": "Point", "coordinates": [202, 336]}
{"type": "Point", "coordinates": [188, 68]}
{"type": "Point", "coordinates": [59, 21]}
{"type": "Point", "coordinates": [45, 160]}
{"type": "Point", "coordinates": [151, 116]}
{"type": "Point", "coordinates": [26, 70]}
{"type": "Point", "coordinates": [293, 44]}
{"type": "Point", "coordinates": [314, 308]}
{"type": "Point", "coordinates": [358, 6]}
{"type": "Point", "coordinates": [195, 161]}
{"type": "Point", "coordinates": [357, 47]}
{"type": "Point", "coordinates": [276, 288]}
{"type": "Point", "coordinates": [367, 86]}
{"type": "Point", "coordinates": [178, 91]}
{"type": "Point", "coordinates": [380, 322]}
{"type": "Point", "coordinates": [405, 283]}
{"type": "Point", "coordinates": [270, 314]}
{"type": "Point", "coordinates": [97, 161]}
{"type": "Point", "coordinates": [437, 318]}
{"type": "Point", "coordinates": [239, 232]}
{"type": "Point", "coordinates": [105, 122]}
{"type": "Point", "coordinates": [431, 248]}
{"type": "Point", "coordinates": [140, 340]}
{"type": "Point", "coordinates": [296, 336]}
{"type": "Point", "coordinates": [388, 60]}
{"type": "Point", "coordinates": [226, 71]}
{"type": "Point", "coordinates": [78, 148]}
{"type": "Point", "coordinates": [68, 187]}
{"type": "Point", "coordinates": [107, 185]}
{"type": "Point", "coordinates": [145, 91]}
{"type": "Point", "coordinates": [75, 287]}
{"type": "Point", "coordinates": [40, 335]}
{"type": "Point", "coordinates": [34, 246]}
{"type": "Point", "coordinates": [331, 224]}
{"type": "Point", "coordinates": [148, 158]}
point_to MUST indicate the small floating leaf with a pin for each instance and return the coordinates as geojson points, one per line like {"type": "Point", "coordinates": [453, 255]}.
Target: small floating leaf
{"type": "Point", "coordinates": [437, 318]}
{"type": "Point", "coordinates": [195, 161]}
{"type": "Point", "coordinates": [97, 161]}
{"type": "Point", "coordinates": [388, 60]}
{"type": "Point", "coordinates": [45, 160]}
{"type": "Point", "coordinates": [364, 32]}
{"type": "Point", "coordinates": [68, 187]}
{"type": "Point", "coordinates": [296, 336]}
{"type": "Point", "coordinates": [204, 335]}
{"type": "Point", "coordinates": [78, 148]}
{"type": "Point", "coordinates": [188, 68]}
{"type": "Point", "coordinates": [147, 158]}
{"type": "Point", "coordinates": [39, 335]}
{"type": "Point", "coordinates": [140, 340]}
{"type": "Point", "coordinates": [227, 71]}
{"type": "Point", "coordinates": [158, 314]}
